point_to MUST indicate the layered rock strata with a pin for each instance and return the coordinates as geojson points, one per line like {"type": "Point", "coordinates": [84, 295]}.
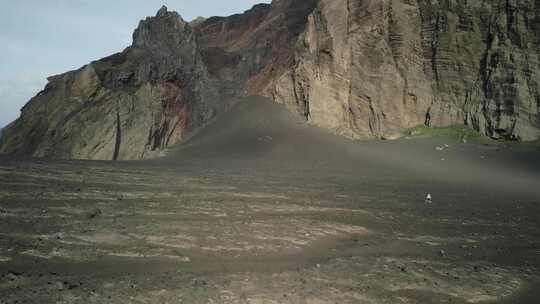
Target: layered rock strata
{"type": "Point", "coordinates": [360, 68]}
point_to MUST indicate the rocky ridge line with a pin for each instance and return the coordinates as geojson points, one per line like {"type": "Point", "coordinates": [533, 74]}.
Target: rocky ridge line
{"type": "Point", "coordinates": [362, 69]}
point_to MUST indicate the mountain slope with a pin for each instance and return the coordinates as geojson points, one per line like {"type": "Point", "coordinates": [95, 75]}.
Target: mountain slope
{"type": "Point", "coordinates": [258, 134]}
{"type": "Point", "coordinates": [361, 69]}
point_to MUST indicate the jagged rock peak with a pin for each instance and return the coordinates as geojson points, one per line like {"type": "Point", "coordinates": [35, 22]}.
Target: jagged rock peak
{"type": "Point", "coordinates": [162, 11]}
{"type": "Point", "coordinates": [197, 21]}
{"type": "Point", "coordinates": [260, 6]}
{"type": "Point", "coordinates": [154, 31]}
{"type": "Point", "coordinates": [361, 69]}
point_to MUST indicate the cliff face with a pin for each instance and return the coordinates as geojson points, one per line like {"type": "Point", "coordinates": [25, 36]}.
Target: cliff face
{"type": "Point", "coordinates": [363, 68]}
{"type": "Point", "coordinates": [126, 106]}
{"type": "Point", "coordinates": [372, 67]}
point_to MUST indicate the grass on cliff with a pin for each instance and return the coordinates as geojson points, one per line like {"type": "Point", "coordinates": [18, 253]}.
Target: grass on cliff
{"type": "Point", "coordinates": [457, 132]}
{"type": "Point", "coordinates": [461, 132]}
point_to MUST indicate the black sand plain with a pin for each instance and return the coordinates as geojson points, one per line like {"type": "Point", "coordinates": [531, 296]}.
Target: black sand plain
{"type": "Point", "coordinates": [259, 207]}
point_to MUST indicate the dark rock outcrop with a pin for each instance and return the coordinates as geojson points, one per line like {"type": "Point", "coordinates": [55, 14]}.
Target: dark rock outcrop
{"type": "Point", "coordinates": [366, 68]}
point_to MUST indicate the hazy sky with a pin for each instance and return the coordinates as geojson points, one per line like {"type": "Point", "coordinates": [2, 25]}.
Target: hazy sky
{"type": "Point", "coordinates": [46, 37]}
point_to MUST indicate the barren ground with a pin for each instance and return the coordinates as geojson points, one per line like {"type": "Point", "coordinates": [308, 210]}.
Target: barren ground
{"type": "Point", "coordinates": [260, 208]}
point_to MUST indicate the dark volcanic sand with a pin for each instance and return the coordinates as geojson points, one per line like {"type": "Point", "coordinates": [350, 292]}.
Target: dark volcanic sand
{"type": "Point", "coordinates": [260, 208]}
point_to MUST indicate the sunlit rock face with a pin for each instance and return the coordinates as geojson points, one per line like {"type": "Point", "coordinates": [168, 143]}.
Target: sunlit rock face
{"type": "Point", "coordinates": [126, 106]}
{"type": "Point", "coordinates": [362, 69]}
{"type": "Point", "coordinates": [371, 68]}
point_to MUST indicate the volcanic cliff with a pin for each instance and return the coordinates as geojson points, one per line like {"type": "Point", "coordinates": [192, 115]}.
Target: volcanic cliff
{"type": "Point", "coordinates": [360, 68]}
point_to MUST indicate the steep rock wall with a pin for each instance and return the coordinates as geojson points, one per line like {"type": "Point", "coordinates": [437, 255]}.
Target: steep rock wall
{"type": "Point", "coordinates": [361, 68]}
{"type": "Point", "coordinates": [370, 68]}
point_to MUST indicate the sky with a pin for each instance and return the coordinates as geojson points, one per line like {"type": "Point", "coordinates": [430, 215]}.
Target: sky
{"type": "Point", "coordinates": [41, 38]}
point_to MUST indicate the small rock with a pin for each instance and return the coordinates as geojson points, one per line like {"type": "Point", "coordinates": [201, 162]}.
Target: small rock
{"type": "Point", "coordinates": [199, 283]}
{"type": "Point", "coordinates": [74, 285]}
{"type": "Point", "coordinates": [162, 11]}
{"type": "Point", "coordinates": [13, 275]}
{"type": "Point", "coordinates": [95, 213]}
{"type": "Point", "coordinates": [59, 235]}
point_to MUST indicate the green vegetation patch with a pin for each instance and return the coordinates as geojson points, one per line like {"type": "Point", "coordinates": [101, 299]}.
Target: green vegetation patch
{"type": "Point", "coordinates": [462, 132]}
{"type": "Point", "coordinates": [458, 132]}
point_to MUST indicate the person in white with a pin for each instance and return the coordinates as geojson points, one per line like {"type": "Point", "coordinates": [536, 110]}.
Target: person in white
{"type": "Point", "coordinates": [428, 199]}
